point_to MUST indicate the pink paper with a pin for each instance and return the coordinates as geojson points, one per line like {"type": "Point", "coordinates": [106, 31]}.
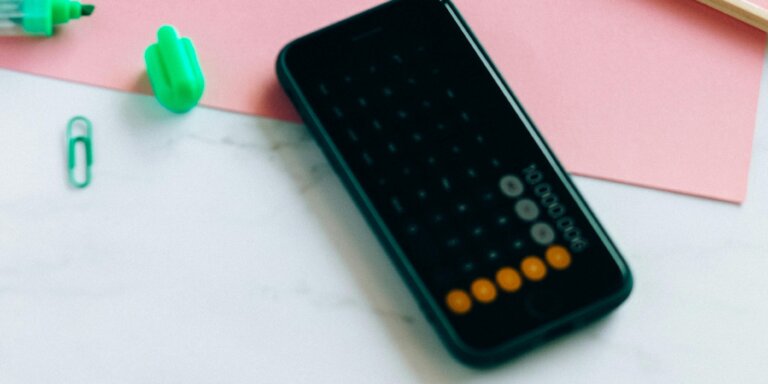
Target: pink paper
{"type": "Point", "coordinates": [237, 42]}
{"type": "Point", "coordinates": [660, 93]}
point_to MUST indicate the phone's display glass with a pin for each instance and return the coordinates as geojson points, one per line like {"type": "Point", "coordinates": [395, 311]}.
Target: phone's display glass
{"type": "Point", "coordinates": [461, 183]}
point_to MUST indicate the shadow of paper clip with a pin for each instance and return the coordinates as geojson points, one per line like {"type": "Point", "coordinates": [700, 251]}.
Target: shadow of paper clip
{"type": "Point", "coordinates": [79, 131]}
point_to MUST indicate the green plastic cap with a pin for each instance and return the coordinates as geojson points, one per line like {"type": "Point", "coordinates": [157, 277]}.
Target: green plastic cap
{"type": "Point", "coordinates": [40, 16]}
{"type": "Point", "coordinates": [174, 71]}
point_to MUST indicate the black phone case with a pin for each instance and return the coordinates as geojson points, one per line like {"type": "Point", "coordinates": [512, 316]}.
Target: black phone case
{"type": "Point", "coordinates": [471, 356]}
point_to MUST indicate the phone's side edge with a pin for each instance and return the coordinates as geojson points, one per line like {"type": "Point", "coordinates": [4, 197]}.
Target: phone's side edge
{"type": "Point", "coordinates": [627, 288]}
{"type": "Point", "coordinates": [608, 303]}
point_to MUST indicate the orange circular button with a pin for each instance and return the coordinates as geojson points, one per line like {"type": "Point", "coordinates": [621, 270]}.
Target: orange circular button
{"type": "Point", "coordinates": [533, 268]}
{"type": "Point", "coordinates": [483, 290]}
{"type": "Point", "coordinates": [509, 279]}
{"type": "Point", "coordinates": [458, 301]}
{"type": "Point", "coordinates": [558, 257]}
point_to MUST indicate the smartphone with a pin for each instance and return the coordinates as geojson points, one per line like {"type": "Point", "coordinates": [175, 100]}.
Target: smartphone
{"type": "Point", "coordinates": [483, 223]}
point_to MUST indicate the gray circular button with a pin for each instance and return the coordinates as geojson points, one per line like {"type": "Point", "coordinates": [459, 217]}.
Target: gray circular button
{"type": "Point", "coordinates": [511, 186]}
{"type": "Point", "coordinates": [527, 209]}
{"type": "Point", "coordinates": [542, 233]}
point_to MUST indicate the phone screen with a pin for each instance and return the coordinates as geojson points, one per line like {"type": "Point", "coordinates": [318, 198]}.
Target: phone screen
{"type": "Point", "coordinates": [466, 189]}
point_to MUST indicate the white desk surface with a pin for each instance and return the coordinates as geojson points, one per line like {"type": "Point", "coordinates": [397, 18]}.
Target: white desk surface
{"type": "Point", "coordinates": [221, 248]}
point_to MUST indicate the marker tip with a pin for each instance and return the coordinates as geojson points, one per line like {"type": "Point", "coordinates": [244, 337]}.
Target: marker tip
{"type": "Point", "coordinates": [88, 9]}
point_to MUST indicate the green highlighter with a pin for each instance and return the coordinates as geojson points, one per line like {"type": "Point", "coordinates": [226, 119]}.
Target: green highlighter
{"type": "Point", "coordinates": [38, 17]}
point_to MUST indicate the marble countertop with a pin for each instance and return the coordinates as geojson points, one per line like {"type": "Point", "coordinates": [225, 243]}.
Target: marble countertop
{"type": "Point", "coordinates": [221, 248]}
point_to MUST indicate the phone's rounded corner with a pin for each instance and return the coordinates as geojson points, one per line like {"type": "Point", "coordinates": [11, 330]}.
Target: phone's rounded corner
{"type": "Point", "coordinates": [285, 57]}
{"type": "Point", "coordinates": [476, 358]}
{"type": "Point", "coordinates": [618, 295]}
{"type": "Point", "coordinates": [471, 357]}
{"type": "Point", "coordinates": [626, 282]}
{"type": "Point", "coordinates": [281, 64]}
{"type": "Point", "coordinates": [626, 286]}
{"type": "Point", "coordinates": [485, 359]}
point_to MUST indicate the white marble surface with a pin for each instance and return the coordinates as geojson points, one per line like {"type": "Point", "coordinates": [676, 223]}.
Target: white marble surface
{"type": "Point", "coordinates": [221, 248]}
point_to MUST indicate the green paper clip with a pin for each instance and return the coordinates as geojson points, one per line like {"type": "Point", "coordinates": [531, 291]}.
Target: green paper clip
{"type": "Point", "coordinates": [85, 140]}
{"type": "Point", "coordinates": [174, 71]}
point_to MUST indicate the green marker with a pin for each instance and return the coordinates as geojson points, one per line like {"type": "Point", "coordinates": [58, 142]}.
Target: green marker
{"type": "Point", "coordinates": [38, 17]}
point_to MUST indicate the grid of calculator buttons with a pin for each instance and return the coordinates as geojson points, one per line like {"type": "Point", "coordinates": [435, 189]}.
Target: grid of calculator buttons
{"type": "Point", "coordinates": [440, 176]}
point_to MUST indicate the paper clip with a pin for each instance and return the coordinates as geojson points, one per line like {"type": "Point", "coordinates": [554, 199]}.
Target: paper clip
{"type": "Point", "coordinates": [85, 140]}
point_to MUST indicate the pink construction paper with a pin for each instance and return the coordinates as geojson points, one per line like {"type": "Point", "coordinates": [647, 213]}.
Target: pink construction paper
{"type": "Point", "coordinates": [659, 93]}
{"type": "Point", "coordinates": [237, 42]}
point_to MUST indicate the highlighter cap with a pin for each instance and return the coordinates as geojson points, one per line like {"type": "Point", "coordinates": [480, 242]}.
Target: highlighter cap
{"type": "Point", "coordinates": [174, 71]}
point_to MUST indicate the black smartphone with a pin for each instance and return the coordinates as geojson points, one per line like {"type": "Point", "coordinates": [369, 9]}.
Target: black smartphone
{"type": "Point", "coordinates": [485, 226]}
